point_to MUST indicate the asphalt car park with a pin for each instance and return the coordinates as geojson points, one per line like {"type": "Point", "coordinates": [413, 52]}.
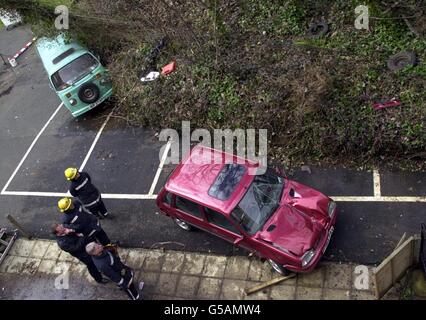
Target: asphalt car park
{"type": "Point", "coordinates": [122, 161]}
{"type": "Point", "coordinates": [126, 158]}
{"type": "Point", "coordinates": [39, 139]}
{"type": "Point", "coordinates": [63, 143]}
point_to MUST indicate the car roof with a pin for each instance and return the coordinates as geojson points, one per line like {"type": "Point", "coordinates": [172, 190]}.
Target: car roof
{"type": "Point", "coordinates": [50, 48]}
{"type": "Point", "coordinates": [194, 176]}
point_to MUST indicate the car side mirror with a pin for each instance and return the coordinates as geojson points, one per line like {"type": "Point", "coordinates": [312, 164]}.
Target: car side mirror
{"type": "Point", "coordinates": [238, 240]}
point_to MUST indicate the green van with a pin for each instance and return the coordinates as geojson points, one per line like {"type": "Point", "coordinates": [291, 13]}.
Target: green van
{"type": "Point", "coordinates": [76, 75]}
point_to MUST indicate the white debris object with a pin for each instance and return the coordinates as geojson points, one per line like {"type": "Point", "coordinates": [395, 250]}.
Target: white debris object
{"type": "Point", "coordinates": [150, 76]}
{"type": "Point", "coordinates": [10, 18]}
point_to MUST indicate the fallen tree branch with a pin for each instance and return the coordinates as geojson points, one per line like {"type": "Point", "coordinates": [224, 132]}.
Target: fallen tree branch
{"type": "Point", "coordinates": [410, 26]}
{"type": "Point", "coordinates": [395, 18]}
{"type": "Point", "coordinates": [267, 284]}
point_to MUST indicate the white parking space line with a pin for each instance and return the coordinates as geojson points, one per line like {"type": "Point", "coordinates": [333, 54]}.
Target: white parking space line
{"type": "Point", "coordinates": [36, 194]}
{"type": "Point", "coordinates": [378, 199]}
{"type": "Point", "coordinates": [98, 135]}
{"type": "Point", "coordinates": [376, 183]}
{"type": "Point", "coordinates": [160, 168]}
{"type": "Point", "coordinates": [29, 149]}
{"type": "Point", "coordinates": [61, 195]}
{"type": "Point", "coordinates": [129, 196]}
{"type": "Point", "coordinates": [154, 196]}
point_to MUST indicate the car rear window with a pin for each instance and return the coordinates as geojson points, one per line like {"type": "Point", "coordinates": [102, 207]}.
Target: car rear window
{"type": "Point", "coordinates": [226, 181]}
{"type": "Point", "coordinates": [168, 198]}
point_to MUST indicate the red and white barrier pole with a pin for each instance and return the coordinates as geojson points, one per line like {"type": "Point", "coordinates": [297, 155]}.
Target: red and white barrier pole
{"type": "Point", "coordinates": [12, 60]}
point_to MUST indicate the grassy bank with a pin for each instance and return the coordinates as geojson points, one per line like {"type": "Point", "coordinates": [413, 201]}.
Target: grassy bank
{"type": "Point", "coordinates": [251, 64]}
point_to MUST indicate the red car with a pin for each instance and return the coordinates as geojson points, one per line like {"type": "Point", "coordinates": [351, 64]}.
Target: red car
{"type": "Point", "coordinates": [280, 220]}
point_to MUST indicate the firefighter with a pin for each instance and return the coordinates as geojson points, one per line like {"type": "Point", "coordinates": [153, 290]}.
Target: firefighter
{"type": "Point", "coordinates": [77, 218]}
{"type": "Point", "coordinates": [109, 263]}
{"type": "Point", "coordinates": [75, 244]}
{"type": "Point", "coordinates": [82, 188]}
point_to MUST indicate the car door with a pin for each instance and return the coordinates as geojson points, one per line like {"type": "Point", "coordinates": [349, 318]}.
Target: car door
{"type": "Point", "coordinates": [222, 227]}
{"type": "Point", "coordinates": [189, 211]}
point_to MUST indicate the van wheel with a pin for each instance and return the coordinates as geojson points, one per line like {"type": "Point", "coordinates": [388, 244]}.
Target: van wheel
{"type": "Point", "coordinates": [89, 93]}
{"type": "Point", "coordinates": [183, 225]}
{"type": "Point", "coordinates": [278, 268]}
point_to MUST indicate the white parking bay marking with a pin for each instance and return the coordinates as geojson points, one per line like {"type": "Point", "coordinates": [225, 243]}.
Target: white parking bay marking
{"type": "Point", "coordinates": [36, 194]}
{"type": "Point", "coordinates": [30, 148]}
{"type": "Point", "coordinates": [98, 135]}
{"type": "Point", "coordinates": [129, 196]}
{"type": "Point", "coordinates": [378, 199]}
{"type": "Point", "coordinates": [376, 183]}
{"type": "Point", "coordinates": [61, 195]}
{"type": "Point", "coordinates": [154, 196]}
{"type": "Point", "coordinates": [160, 168]}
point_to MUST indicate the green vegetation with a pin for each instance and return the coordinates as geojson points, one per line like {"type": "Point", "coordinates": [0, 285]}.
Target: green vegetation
{"type": "Point", "coordinates": [251, 64]}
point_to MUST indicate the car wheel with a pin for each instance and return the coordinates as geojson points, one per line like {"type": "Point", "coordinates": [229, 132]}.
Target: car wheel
{"type": "Point", "coordinates": [183, 225]}
{"type": "Point", "coordinates": [278, 268]}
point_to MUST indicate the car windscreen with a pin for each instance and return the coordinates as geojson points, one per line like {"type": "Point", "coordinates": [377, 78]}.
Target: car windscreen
{"type": "Point", "coordinates": [259, 202]}
{"type": "Point", "coordinates": [74, 71]}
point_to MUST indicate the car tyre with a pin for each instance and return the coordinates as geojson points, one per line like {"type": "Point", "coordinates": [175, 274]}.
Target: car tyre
{"type": "Point", "coordinates": [278, 268]}
{"type": "Point", "coordinates": [317, 30]}
{"type": "Point", "coordinates": [401, 60]}
{"type": "Point", "coordinates": [89, 93]}
{"type": "Point", "coordinates": [183, 225]}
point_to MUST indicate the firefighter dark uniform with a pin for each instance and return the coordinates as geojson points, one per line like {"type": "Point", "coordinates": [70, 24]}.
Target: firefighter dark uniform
{"type": "Point", "coordinates": [111, 266]}
{"type": "Point", "coordinates": [83, 189]}
{"type": "Point", "coordinates": [75, 245]}
{"type": "Point", "coordinates": [82, 221]}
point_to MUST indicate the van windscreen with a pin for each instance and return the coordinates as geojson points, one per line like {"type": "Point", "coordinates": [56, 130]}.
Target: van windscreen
{"type": "Point", "coordinates": [74, 71]}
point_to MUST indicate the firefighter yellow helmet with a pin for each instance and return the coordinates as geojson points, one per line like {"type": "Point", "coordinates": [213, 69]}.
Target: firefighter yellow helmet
{"type": "Point", "coordinates": [64, 204]}
{"type": "Point", "coordinates": [70, 173]}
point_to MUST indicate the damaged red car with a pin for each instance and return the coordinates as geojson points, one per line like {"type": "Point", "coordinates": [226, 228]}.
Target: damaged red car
{"type": "Point", "coordinates": [288, 224]}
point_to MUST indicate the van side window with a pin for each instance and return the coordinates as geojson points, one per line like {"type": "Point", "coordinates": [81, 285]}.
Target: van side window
{"type": "Point", "coordinates": [220, 220]}
{"type": "Point", "coordinates": [188, 206]}
{"type": "Point", "coordinates": [168, 198]}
